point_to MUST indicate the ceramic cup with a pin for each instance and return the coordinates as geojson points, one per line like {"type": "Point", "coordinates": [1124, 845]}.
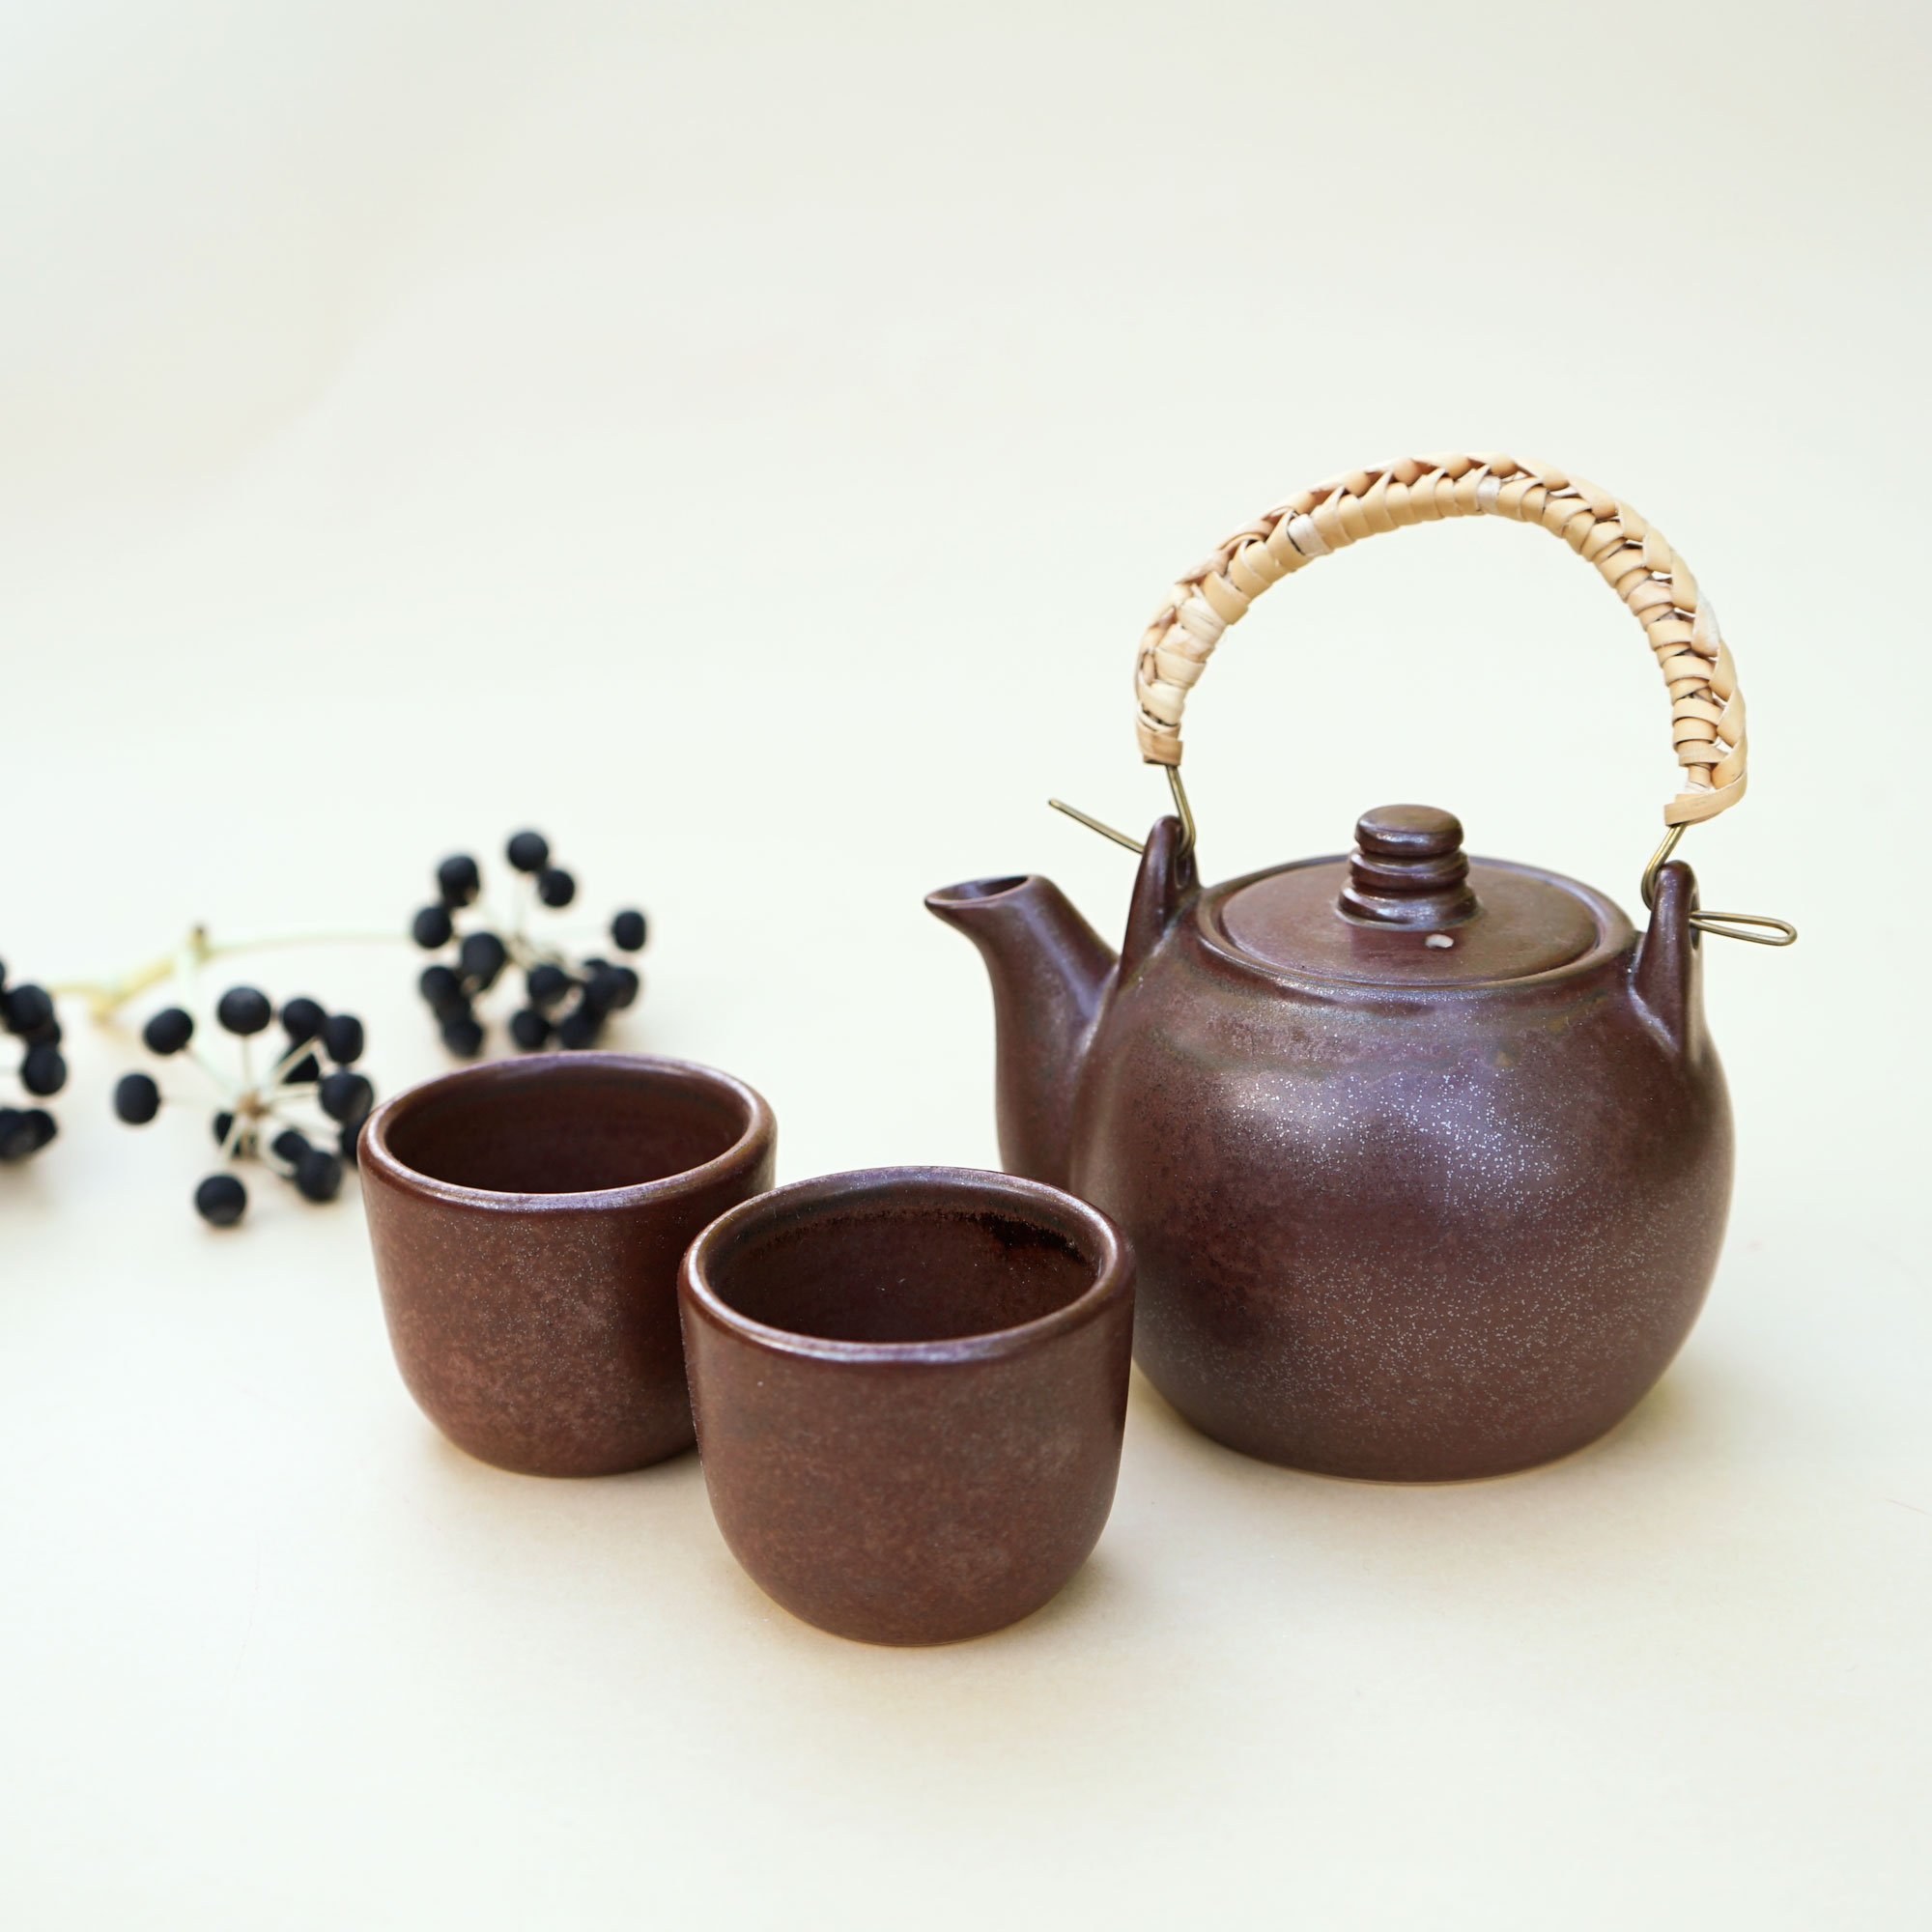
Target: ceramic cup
{"type": "Point", "coordinates": [528, 1217]}
{"type": "Point", "coordinates": [910, 1385]}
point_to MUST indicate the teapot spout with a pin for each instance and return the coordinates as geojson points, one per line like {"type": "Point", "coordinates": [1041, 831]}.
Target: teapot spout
{"type": "Point", "coordinates": [1051, 974]}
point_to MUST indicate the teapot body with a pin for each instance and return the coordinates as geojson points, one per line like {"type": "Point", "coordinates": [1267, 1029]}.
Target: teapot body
{"type": "Point", "coordinates": [1422, 1231]}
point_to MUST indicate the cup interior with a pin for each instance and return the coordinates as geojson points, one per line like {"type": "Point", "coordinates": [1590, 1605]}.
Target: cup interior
{"type": "Point", "coordinates": [905, 1262]}
{"type": "Point", "coordinates": [567, 1126]}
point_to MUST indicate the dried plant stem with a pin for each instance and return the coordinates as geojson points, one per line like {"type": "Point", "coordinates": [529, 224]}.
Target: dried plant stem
{"type": "Point", "coordinates": [107, 997]}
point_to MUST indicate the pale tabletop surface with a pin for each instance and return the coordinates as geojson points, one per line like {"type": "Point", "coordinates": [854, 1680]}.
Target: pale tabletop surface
{"type": "Point", "coordinates": [750, 453]}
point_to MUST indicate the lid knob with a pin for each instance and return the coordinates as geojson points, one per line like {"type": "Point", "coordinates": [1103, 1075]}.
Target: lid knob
{"type": "Point", "coordinates": [1407, 868]}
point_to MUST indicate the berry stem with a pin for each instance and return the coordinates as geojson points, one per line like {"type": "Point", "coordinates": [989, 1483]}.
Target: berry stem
{"type": "Point", "coordinates": [107, 997]}
{"type": "Point", "coordinates": [224, 1083]}
{"type": "Point", "coordinates": [237, 1127]}
{"type": "Point", "coordinates": [528, 953]}
{"type": "Point", "coordinates": [279, 1074]}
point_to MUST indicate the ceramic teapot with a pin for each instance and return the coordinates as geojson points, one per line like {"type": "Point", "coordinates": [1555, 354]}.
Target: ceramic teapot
{"type": "Point", "coordinates": [1425, 1158]}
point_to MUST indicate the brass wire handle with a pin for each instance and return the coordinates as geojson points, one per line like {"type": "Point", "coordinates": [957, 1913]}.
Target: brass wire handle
{"type": "Point", "coordinates": [1119, 838]}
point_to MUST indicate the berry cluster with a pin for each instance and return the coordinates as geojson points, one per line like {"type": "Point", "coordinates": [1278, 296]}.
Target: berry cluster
{"type": "Point", "coordinates": [27, 1012]}
{"type": "Point", "coordinates": [314, 1066]}
{"type": "Point", "coordinates": [567, 1000]}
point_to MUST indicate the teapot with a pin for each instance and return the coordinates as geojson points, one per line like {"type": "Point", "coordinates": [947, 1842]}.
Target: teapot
{"type": "Point", "coordinates": [1427, 1158]}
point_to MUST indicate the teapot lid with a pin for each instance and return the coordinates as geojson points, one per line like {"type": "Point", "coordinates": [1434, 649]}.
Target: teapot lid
{"type": "Point", "coordinates": [1409, 908]}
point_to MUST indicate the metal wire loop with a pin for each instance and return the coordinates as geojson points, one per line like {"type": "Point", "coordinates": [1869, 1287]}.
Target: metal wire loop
{"type": "Point", "coordinates": [1754, 928]}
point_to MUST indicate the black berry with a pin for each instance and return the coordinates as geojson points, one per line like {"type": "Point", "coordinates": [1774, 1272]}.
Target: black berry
{"type": "Point", "coordinates": [483, 957]}
{"type": "Point", "coordinates": [547, 984]}
{"type": "Point", "coordinates": [346, 1096]}
{"type": "Point", "coordinates": [342, 1038]}
{"type": "Point", "coordinates": [463, 1035]}
{"type": "Point", "coordinates": [16, 1134]}
{"type": "Point", "coordinates": [220, 1200]}
{"type": "Point", "coordinates": [319, 1174]}
{"type": "Point", "coordinates": [290, 1145]}
{"type": "Point", "coordinates": [529, 1029]}
{"type": "Point", "coordinates": [345, 1140]}
{"type": "Point", "coordinates": [579, 1028]}
{"type": "Point", "coordinates": [528, 851]}
{"type": "Point", "coordinates": [303, 1018]}
{"type": "Point", "coordinates": [555, 887]}
{"type": "Point", "coordinates": [608, 987]}
{"type": "Point", "coordinates": [27, 1008]}
{"type": "Point", "coordinates": [302, 1072]}
{"type": "Point", "coordinates": [442, 988]}
{"type": "Point", "coordinates": [458, 880]}
{"type": "Point", "coordinates": [628, 931]}
{"type": "Point", "coordinates": [168, 1032]}
{"type": "Point", "coordinates": [42, 1071]}
{"type": "Point", "coordinates": [430, 927]}
{"type": "Point", "coordinates": [136, 1099]}
{"type": "Point", "coordinates": [244, 1009]}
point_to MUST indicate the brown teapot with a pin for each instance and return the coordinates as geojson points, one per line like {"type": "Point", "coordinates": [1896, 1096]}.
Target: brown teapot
{"type": "Point", "coordinates": [1427, 1160]}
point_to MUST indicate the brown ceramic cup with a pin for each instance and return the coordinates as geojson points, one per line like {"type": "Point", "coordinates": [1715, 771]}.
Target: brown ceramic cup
{"type": "Point", "coordinates": [528, 1217]}
{"type": "Point", "coordinates": [910, 1385]}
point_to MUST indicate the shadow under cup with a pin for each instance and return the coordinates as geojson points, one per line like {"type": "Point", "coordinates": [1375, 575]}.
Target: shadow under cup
{"type": "Point", "coordinates": [529, 1218]}
{"type": "Point", "coordinates": [911, 1386]}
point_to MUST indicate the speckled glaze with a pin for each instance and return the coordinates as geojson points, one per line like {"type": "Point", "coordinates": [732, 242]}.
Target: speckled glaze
{"type": "Point", "coordinates": [528, 1217]}
{"type": "Point", "coordinates": [1394, 1219]}
{"type": "Point", "coordinates": [911, 1385]}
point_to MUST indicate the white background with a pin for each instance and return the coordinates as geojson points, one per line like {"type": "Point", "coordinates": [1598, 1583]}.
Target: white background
{"type": "Point", "coordinates": [747, 444]}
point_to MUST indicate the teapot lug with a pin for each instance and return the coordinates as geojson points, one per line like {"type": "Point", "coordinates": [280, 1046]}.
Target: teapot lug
{"type": "Point", "coordinates": [1664, 975]}
{"type": "Point", "coordinates": [1167, 880]}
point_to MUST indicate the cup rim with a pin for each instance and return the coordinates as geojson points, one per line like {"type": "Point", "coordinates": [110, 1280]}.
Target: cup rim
{"type": "Point", "coordinates": [376, 1155]}
{"type": "Point", "coordinates": [1103, 1244]}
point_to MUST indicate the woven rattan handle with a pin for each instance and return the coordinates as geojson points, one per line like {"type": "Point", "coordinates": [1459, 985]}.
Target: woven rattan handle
{"type": "Point", "coordinates": [1707, 709]}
